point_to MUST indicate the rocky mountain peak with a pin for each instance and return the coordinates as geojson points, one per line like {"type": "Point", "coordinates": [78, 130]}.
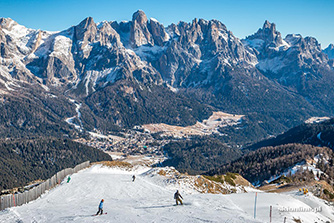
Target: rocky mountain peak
{"type": "Point", "coordinates": [329, 51]}
{"type": "Point", "coordinates": [106, 35]}
{"type": "Point", "coordinates": [293, 39]}
{"type": "Point", "coordinates": [86, 23]}
{"type": "Point", "coordinates": [90, 58]}
{"type": "Point", "coordinates": [158, 32]}
{"type": "Point", "coordinates": [313, 43]}
{"type": "Point", "coordinates": [86, 30]}
{"type": "Point", "coordinates": [139, 17]}
{"type": "Point", "coordinates": [268, 25]}
{"type": "Point", "coordinates": [217, 24]}
{"type": "Point", "coordinates": [330, 46]}
{"type": "Point", "coordinates": [305, 44]}
{"type": "Point", "coordinates": [7, 23]}
{"type": "Point", "coordinates": [265, 36]}
{"type": "Point", "coordinates": [139, 32]}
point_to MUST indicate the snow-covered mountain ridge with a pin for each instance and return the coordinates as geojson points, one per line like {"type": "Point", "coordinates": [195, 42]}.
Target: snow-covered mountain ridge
{"type": "Point", "coordinates": [93, 54]}
{"type": "Point", "coordinates": [126, 74]}
{"type": "Point", "coordinates": [150, 198]}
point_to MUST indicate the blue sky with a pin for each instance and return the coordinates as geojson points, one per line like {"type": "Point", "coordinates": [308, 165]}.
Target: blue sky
{"type": "Point", "coordinates": [306, 17]}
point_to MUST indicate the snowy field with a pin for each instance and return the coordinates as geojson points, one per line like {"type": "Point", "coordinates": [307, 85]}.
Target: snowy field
{"type": "Point", "coordinates": [206, 127]}
{"type": "Point", "coordinates": [150, 199]}
{"type": "Point", "coordinates": [314, 120]}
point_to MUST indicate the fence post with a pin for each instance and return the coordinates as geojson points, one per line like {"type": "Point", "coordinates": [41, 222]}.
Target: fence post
{"type": "Point", "coordinates": [16, 200]}
{"type": "Point", "coordinates": [9, 201]}
{"type": "Point", "coordinates": [255, 205]}
{"type": "Point", "coordinates": [26, 198]}
{"type": "Point", "coordinates": [271, 208]}
{"type": "Point", "coordinates": [35, 193]}
{"type": "Point", "coordinates": [38, 191]}
{"type": "Point", "coordinates": [31, 194]}
{"type": "Point", "coordinates": [19, 199]}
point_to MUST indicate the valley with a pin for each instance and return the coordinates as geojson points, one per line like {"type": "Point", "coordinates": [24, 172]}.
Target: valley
{"type": "Point", "coordinates": [185, 105]}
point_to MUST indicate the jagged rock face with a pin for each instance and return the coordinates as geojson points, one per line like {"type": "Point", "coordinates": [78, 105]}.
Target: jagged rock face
{"type": "Point", "coordinates": [52, 59]}
{"type": "Point", "coordinates": [83, 56]}
{"type": "Point", "coordinates": [160, 36]}
{"type": "Point", "coordinates": [268, 43]}
{"type": "Point", "coordinates": [204, 55]}
{"type": "Point", "coordinates": [16, 43]}
{"type": "Point", "coordinates": [265, 38]}
{"type": "Point", "coordinates": [329, 51]}
{"type": "Point", "coordinates": [195, 51]}
{"type": "Point", "coordinates": [107, 36]}
{"type": "Point", "coordinates": [200, 53]}
{"type": "Point", "coordinates": [86, 30]}
{"type": "Point", "coordinates": [139, 33]}
{"type": "Point", "coordinates": [293, 61]}
{"type": "Point", "coordinates": [310, 56]}
{"type": "Point", "coordinates": [144, 32]}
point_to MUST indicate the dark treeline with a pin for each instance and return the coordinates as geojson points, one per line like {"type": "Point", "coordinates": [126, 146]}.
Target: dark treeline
{"type": "Point", "coordinates": [27, 113]}
{"type": "Point", "coordinates": [266, 162]}
{"type": "Point", "coordinates": [25, 160]}
{"type": "Point", "coordinates": [313, 134]}
{"type": "Point", "coordinates": [126, 104]}
{"type": "Point", "coordinates": [199, 154]}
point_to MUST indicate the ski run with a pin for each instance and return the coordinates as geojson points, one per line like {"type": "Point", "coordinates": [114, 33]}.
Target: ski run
{"type": "Point", "coordinates": [150, 199]}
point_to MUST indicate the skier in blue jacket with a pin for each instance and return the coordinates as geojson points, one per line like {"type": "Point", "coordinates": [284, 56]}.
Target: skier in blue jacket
{"type": "Point", "coordinates": [100, 208]}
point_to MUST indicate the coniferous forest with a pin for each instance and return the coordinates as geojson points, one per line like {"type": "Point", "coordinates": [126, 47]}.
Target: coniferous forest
{"type": "Point", "coordinates": [25, 160]}
{"type": "Point", "coordinates": [260, 165]}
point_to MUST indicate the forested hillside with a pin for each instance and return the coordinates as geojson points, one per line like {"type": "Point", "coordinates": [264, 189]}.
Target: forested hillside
{"type": "Point", "coordinates": [266, 162]}
{"type": "Point", "coordinates": [317, 134]}
{"type": "Point", "coordinates": [25, 160]}
{"type": "Point", "coordinates": [199, 154]}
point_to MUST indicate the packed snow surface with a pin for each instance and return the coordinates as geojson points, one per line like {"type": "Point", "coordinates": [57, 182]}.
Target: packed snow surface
{"type": "Point", "coordinates": [150, 199]}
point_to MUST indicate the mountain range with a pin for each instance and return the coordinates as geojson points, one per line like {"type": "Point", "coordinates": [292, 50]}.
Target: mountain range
{"type": "Point", "coordinates": [122, 74]}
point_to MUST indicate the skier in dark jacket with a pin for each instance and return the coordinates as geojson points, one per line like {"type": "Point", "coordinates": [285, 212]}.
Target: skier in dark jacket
{"type": "Point", "coordinates": [100, 211]}
{"type": "Point", "coordinates": [133, 178]}
{"type": "Point", "coordinates": [177, 197]}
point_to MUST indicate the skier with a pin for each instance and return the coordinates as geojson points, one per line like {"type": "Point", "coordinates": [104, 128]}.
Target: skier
{"type": "Point", "coordinates": [177, 197]}
{"type": "Point", "coordinates": [133, 178]}
{"type": "Point", "coordinates": [68, 179]}
{"type": "Point", "coordinates": [100, 211]}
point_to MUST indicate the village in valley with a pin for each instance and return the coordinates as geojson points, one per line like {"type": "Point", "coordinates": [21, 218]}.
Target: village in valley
{"type": "Point", "coordinates": [149, 139]}
{"type": "Point", "coordinates": [133, 142]}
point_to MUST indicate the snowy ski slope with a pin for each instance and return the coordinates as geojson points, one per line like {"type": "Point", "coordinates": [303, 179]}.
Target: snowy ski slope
{"type": "Point", "coordinates": [150, 199]}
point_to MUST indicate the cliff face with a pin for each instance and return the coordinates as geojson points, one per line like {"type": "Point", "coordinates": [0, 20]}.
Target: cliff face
{"type": "Point", "coordinates": [329, 51]}
{"type": "Point", "coordinates": [201, 61]}
{"type": "Point", "coordinates": [183, 55]}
